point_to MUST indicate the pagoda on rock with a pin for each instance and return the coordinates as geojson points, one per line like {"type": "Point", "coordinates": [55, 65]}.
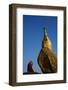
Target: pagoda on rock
{"type": "Point", "coordinates": [46, 58]}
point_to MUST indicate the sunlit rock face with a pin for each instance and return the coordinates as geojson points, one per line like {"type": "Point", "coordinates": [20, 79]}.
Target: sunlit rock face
{"type": "Point", "coordinates": [47, 59]}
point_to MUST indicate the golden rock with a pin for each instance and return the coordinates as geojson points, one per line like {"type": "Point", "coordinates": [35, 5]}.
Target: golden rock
{"type": "Point", "coordinates": [47, 59]}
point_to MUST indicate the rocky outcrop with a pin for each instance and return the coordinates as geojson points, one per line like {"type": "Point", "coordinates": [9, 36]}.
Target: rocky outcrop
{"type": "Point", "coordinates": [47, 61]}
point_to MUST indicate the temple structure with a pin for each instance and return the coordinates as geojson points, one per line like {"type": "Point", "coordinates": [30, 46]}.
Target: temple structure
{"type": "Point", "coordinates": [46, 58]}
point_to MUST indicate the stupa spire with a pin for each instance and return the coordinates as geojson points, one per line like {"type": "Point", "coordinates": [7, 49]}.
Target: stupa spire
{"type": "Point", "coordinates": [46, 43]}
{"type": "Point", "coordinates": [45, 33]}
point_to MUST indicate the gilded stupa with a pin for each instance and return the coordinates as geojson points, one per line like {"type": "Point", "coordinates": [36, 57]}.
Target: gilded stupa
{"type": "Point", "coordinates": [46, 58]}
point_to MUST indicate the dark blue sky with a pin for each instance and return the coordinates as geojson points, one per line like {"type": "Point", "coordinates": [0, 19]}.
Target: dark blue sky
{"type": "Point", "coordinates": [33, 36]}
